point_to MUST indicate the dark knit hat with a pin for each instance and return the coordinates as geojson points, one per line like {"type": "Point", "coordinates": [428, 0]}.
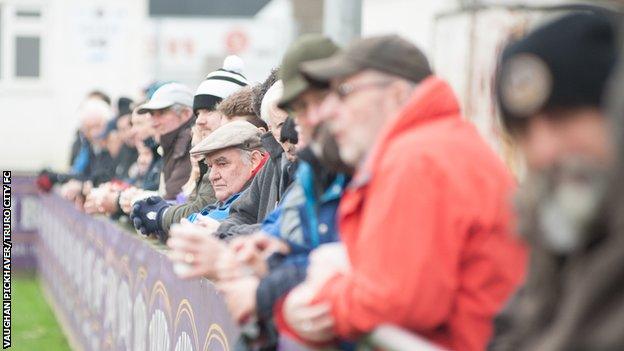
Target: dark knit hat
{"type": "Point", "coordinates": [562, 64]}
{"type": "Point", "coordinates": [289, 131]}
{"type": "Point", "coordinates": [123, 106]}
{"type": "Point", "coordinates": [220, 84]}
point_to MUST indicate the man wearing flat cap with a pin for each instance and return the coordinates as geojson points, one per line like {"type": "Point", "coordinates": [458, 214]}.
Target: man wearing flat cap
{"type": "Point", "coordinates": [237, 106]}
{"type": "Point", "coordinates": [233, 154]}
{"type": "Point", "coordinates": [425, 220]}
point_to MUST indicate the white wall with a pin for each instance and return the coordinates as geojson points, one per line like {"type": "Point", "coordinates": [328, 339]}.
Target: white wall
{"type": "Point", "coordinates": [412, 19]}
{"type": "Point", "coordinates": [38, 116]}
{"type": "Point", "coordinates": [119, 51]}
{"type": "Point", "coordinates": [462, 47]}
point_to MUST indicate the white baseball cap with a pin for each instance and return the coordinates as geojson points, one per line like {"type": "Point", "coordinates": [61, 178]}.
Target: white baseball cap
{"type": "Point", "coordinates": [166, 96]}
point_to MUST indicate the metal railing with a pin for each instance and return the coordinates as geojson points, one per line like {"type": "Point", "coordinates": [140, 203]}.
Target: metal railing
{"type": "Point", "coordinates": [393, 338]}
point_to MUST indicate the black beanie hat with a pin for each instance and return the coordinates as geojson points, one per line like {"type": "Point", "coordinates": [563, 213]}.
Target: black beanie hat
{"type": "Point", "coordinates": [289, 131]}
{"type": "Point", "coordinates": [562, 64]}
{"type": "Point", "coordinates": [123, 106]}
{"type": "Point", "coordinates": [220, 84]}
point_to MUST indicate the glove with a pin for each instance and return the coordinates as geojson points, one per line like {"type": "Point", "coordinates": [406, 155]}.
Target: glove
{"type": "Point", "coordinates": [46, 180]}
{"type": "Point", "coordinates": [146, 215]}
{"type": "Point", "coordinates": [44, 183]}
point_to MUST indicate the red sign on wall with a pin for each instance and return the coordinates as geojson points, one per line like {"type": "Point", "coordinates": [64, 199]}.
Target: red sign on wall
{"type": "Point", "coordinates": [236, 41]}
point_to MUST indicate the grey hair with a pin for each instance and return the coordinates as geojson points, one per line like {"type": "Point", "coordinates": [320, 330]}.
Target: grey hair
{"type": "Point", "coordinates": [270, 100]}
{"type": "Point", "coordinates": [178, 109]}
{"type": "Point", "coordinates": [246, 154]}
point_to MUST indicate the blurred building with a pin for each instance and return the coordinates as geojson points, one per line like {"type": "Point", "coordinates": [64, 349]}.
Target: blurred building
{"type": "Point", "coordinates": [53, 52]}
{"type": "Point", "coordinates": [463, 40]}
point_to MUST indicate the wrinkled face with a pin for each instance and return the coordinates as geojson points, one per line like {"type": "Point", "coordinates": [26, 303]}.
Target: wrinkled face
{"type": "Point", "coordinates": [141, 127]}
{"type": "Point", "coordinates": [356, 109]}
{"type": "Point", "coordinates": [290, 150]}
{"type": "Point", "coordinates": [229, 172]}
{"type": "Point", "coordinates": [305, 110]}
{"type": "Point", "coordinates": [277, 117]}
{"type": "Point", "coordinates": [581, 133]}
{"type": "Point", "coordinates": [207, 121]}
{"type": "Point", "coordinates": [165, 121]}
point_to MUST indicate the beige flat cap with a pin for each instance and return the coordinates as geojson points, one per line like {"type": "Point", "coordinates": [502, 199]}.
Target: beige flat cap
{"type": "Point", "coordinates": [239, 134]}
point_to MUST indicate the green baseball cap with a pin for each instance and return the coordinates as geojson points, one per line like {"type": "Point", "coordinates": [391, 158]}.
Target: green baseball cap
{"type": "Point", "coordinates": [308, 47]}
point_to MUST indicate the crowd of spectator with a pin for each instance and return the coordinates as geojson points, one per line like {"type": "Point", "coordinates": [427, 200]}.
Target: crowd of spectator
{"type": "Point", "coordinates": [348, 191]}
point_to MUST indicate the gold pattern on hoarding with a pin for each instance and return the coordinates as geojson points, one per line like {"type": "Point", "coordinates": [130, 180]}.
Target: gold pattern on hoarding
{"type": "Point", "coordinates": [160, 287]}
{"type": "Point", "coordinates": [185, 307]}
{"type": "Point", "coordinates": [216, 332]}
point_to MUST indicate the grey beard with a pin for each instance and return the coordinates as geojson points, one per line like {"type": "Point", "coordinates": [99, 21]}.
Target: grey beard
{"type": "Point", "coordinates": [326, 150]}
{"type": "Point", "coordinates": [563, 202]}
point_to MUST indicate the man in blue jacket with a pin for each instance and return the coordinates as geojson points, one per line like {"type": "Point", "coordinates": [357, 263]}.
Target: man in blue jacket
{"type": "Point", "coordinates": [234, 154]}
{"type": "Point", "coordinates": [306, 217]}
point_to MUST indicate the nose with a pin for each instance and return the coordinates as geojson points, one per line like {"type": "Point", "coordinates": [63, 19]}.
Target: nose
{"type": "Point", "coordinates": [201, 120]}
{"type": "Point", "coordinates": [542, 145]}
{"type": "Point", "coordinates": [214, 175]}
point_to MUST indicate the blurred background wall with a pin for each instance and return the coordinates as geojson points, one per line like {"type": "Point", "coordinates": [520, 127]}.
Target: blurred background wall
{"type": "Point", "coordinates": [53, 52]}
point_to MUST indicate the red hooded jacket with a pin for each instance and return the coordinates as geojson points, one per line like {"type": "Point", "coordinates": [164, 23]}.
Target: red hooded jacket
{"type": "Point", "coordinates": [427, 224]}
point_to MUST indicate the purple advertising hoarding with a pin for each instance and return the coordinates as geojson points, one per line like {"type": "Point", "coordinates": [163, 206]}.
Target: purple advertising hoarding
{"type": "Point", "coordinates": [114, 290]}
{"type": "Point", "coordinates": [24, 223]}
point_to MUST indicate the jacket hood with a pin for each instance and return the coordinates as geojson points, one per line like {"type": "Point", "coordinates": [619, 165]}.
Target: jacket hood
{"type": "Point", "coordinates": [432, 99]}
{"type": "Point", "coordinates": [271, 145]}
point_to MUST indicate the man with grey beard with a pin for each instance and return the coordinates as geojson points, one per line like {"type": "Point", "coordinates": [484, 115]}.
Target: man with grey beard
{"type": "Point", "coordinates": [550, 88]}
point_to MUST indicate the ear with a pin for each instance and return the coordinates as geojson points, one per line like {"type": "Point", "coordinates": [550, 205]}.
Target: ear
{"type": "Point", "coordinates": [401, 91]}
{"type": "Point", "coordinates": [256, 158]}
{"type": "Point", "coordinates": [186, 113]}
{"type": "Point", "coordinates": [263, 130]}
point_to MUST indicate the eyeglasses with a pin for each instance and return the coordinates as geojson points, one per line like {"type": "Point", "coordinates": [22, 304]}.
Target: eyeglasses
{"type": "Point", "coordinates": [345, 89]}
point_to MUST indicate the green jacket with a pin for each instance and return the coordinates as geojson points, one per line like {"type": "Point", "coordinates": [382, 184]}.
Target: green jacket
{"type": "Point", "coordinates": [202, 196]}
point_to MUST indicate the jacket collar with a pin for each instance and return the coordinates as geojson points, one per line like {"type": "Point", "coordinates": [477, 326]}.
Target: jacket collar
{"type": "Point", "coordinates": [432, 100]}
{"type": "Point", "coordinates": [320, 176]}
{"type": "Point", "coordinates": [167, 141]}
{"type": "Point", "coordinates": [271, 145]}
{"type": "Point", "coordinates": [229, 200]}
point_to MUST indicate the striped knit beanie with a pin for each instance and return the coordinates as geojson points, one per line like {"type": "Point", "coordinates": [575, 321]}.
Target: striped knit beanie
{"type": "Point", "coordinates": [220, 84]}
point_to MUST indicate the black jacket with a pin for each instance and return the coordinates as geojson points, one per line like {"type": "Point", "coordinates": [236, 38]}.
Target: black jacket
{"type": "Point", "coordinates": [125, 159]}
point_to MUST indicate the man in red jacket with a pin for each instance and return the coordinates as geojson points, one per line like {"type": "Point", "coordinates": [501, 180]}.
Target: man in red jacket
{"type": "Point", "coordinates": [426, 221]}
